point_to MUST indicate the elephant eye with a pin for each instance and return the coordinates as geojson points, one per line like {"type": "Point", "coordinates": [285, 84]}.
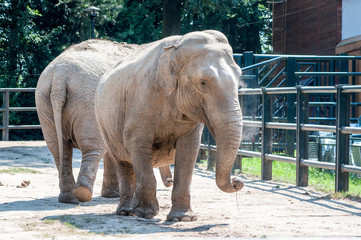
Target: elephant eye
{"type": "Point", "coordinates": [203, 85]}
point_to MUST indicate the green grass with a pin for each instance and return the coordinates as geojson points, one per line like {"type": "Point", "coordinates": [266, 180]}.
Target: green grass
{"type": "Point", "coordinates": [14, 170]}
{"type": "Point", "coordinates": [322, 180]}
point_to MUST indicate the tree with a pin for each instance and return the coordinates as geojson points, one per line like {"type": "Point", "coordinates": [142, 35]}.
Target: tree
{"type": "Point", "coordinates": [171, 17]}
{"type": "Point", "coordinates": [34, 32]}
{"type": "Point", "coordinates": [240, 21]}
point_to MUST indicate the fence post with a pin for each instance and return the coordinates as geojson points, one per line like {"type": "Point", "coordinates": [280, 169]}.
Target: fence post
{"type": "Point", "coordinates": [342, 140]}
{"type": "Point", "coordinates": [5, 132]}
{"type": "Point", "coordinates": [291, 109]}
{"type": "Point", "coordinates": [266, 165]}
{"type": "Point", "coordinates": [211, 156]}
{"type": "Point", "coordinates": [343, 64]}
{"type": "Point", "coordinates": [301, 138]}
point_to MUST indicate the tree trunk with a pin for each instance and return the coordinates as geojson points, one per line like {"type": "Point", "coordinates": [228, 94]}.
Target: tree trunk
{"type": "Point", "coordinates": [171, 17]}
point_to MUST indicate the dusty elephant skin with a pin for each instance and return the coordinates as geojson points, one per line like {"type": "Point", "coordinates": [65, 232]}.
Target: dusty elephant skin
{"type": "Point", "coordinates": [65, 106]}
{"type": "Point", "coordinates": [151, 109]}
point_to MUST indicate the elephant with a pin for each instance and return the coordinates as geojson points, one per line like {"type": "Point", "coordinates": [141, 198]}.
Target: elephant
{"type": "Point", "coordinates": [65, 105]}
{"type": "Point", "coordinates": [151, 110]}
{"type": "Point", "coordinates": [64, 99]}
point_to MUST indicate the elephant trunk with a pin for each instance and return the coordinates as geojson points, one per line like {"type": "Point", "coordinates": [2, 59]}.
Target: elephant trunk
{"type": "Point", "coordinates": [228, 132]}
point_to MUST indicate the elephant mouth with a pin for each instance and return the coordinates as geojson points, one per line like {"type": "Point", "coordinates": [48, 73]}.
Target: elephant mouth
{"type": "Point", "coordinates": [209, 125]}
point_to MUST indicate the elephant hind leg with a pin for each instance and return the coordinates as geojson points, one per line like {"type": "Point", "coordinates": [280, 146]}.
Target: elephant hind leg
{"type": "Point", "coordinates": [66, 178]}
{"type": "Point", "coordinates": [110, 188]}
{"type": "Point", "coordinates": [127, 183]}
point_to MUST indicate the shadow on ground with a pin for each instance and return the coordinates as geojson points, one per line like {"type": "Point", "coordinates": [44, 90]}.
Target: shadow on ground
{"type": "Point", "coordinates": [34, 157]}
{"type": "Point", "coordinates": [297, 193]}
{"type": "Point", "coordinates": [51, 203]}
{"type": "Point", "coordinates": [110, 224]}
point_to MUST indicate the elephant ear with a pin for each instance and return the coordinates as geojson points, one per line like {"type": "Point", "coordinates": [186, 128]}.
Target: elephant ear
{"type": "Point", "coordinates": [166, 76]}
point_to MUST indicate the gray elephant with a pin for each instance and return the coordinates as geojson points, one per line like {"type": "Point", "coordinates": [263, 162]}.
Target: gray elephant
{"type": "Point", "coordinates": [151, 109]}
{"type": "Point", "coordinates": [65, 105]}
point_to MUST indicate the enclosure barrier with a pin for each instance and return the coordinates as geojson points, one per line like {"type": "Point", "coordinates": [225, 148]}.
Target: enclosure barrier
{"type": "Point", "coordinates": [289, 73]}
{"type": "Point", "coordinates": [6, 109]}
{"type": "Point", "coordinates": [342, 131]}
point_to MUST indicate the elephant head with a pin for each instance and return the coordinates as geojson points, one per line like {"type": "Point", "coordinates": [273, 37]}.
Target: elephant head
{"type": "Point", "coordinates": [198, 70]}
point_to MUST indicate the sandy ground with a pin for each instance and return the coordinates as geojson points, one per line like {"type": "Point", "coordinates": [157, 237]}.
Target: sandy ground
{"type": "Point", "coordinates": [260, 210]}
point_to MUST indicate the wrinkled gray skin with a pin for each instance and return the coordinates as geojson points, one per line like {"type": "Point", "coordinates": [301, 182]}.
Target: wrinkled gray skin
{"type": "Point", "coordinates": [151, 109]}
{"type": "Point", "coordinates": [65, 105]}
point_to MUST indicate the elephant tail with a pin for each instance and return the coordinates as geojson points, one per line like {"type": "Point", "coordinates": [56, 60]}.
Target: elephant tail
{"type": "Point", "coordinates": [58, 99]}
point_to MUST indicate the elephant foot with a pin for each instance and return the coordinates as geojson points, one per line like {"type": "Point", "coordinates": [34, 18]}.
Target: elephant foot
{"type": "Point", "coordinates": [184, 215]}
{"type": "Point", "coordinates": [83, 194]}
{"type": "Point", "coordinates": [146, 210]}
{"type": "Point", "coordinates": [110, 193]}
{"type": "Point", "coordinates": [67, 197]}
{"type": "Point", "coordinates": [125, 209]}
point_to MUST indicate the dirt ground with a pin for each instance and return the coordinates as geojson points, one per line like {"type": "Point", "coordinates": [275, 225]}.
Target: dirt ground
{"type": "Point", "coordinates": [29, 208]}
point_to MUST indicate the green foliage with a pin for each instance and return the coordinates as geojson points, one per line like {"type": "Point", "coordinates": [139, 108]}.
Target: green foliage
{"type": "Point", "coordinates": [139, 21]}
{"type": "Point", "coordinates": [15, 170]}
{"type": "Point", "coordinates": [240, 21]}
{"type": "Point", "coordinates": [322, 180]}
{"type": "Point", "coordinates": [34, 32]}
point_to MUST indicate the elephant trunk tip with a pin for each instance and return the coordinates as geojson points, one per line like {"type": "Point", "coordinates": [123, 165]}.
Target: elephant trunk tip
{"type": "Point", "coordinates": [234, 186]}
{"type": "Point", "coordinates": [237, 184]}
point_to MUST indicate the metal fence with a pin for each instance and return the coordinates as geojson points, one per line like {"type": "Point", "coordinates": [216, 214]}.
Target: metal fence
{"type": "Point", "coordinates": [6, 109]}
{"type": "Point", "coordinates": [342, 129]}
{"type": "Point", "coordinates": [293, 79]}
{"type": "Point", "coordinates": [285, 72]}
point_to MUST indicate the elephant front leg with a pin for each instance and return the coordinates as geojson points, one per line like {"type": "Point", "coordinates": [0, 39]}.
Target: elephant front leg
{"type": "Point", "coordinates": [187, 148]}
{"type": "Point", "coordinates": [145, 203]}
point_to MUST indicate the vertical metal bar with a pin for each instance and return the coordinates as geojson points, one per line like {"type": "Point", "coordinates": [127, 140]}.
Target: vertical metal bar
{"type": "Point", "coordinates": [301, 139]}
{"type": "Point", "coordinates": [332, 83]}
{"type": "Point", "coordinates": [342, 140]}
{"type": "Point", "coordinates": [291, 108]}
{"type": "Point", "coordinates": [250, 103]}
{"type": "Point", "coordinates": [248, 60]}
{"type": "Point", "coordinates": [344, 68]}
{"type": "Point", "coordinates": [318, 98]}
{"type": "Point", "coordinates": [211, 160]}
{"type": "Point", "coordinates": [266, 165]}
{"type": "Point", "coordinates": [237, 163]}
{"type": "Point", "coordinates": [5, 132]}
{"type": "Point", "coordinates": [353, 95]}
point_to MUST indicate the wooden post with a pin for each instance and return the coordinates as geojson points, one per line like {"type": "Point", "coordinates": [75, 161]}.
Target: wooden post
{"type": "Point", "coordinates": [301, 139]}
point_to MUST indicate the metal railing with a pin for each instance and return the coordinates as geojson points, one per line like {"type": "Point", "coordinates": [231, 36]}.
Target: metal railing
{"type": "Point", "coordinates": [302, 128]}
{"type": "Point", "coordinates": [297, 118]}
{"type": "Point", "coordinates": [305, 92]}
{"type": "Point", "coordinates": [6, 109]}
{"type": "Point", "coordinates": [274, 71]}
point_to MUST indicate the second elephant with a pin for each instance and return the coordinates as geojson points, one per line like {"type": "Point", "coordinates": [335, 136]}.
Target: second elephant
{"type": "Point", "coordinates": [65, 106]}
